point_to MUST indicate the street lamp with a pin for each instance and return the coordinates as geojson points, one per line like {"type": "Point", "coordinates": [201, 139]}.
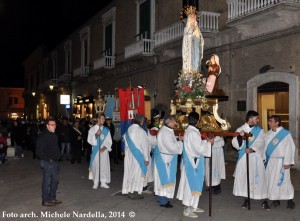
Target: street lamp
{"type": "Point", "coordinates": [51, 86]}
{"type": "Point", "coordinates": [33, 93]}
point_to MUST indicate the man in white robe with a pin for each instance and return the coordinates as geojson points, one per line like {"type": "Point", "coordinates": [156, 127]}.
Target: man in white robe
{"type": "Point", "coordinates": [165, 162]}
{"type": "Point", "coordinates": [192, 167]}
{"type": "Point", "coordinates": [136, 159]}
{"type": "Point", "coordinates": [218, 165]}
{"type": "Point", "coordinates": [100, 139]}
{"type": "Point", "coordinates": [280, 152]}
{"type": "Point", "coordinates": [255, 151]}
{"type": "Point", "coordinates": [152, 143]}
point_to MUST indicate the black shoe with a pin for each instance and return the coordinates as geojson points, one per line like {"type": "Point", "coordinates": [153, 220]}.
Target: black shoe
{"type": "Point", "coordinates": [135, 196]}
{"type": "Point", "coordinates": [291, 204]}
{"type": "Point", "coordinates": [275, 203]}
{"type": "Point", "coordinates": [167, 205]}
{"type": "Point", "coordinates": [217, 189]}
{"type": "Point", "coordinates": [266, 206]}
{"type": "Point", "coordinates": [48, 204]}
{"type": "Point", "coordinates": [72, 161]}
{"type": "Point", "coordinates": [56, 201]}
{"type": "Point", "coordinates": [245, 204]}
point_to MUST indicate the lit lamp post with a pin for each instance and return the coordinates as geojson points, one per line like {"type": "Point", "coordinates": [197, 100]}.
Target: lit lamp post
{"type": "Point", "coordinates": [52, 99]}
{"type": "Point", "coordinates": [31, 112]}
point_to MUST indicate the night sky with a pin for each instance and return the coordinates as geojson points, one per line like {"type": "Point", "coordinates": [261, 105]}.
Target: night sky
{"type": "Point", "coordinates": [26, 24]}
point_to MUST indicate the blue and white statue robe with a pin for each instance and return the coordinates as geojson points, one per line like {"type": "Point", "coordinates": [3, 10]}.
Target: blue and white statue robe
{"type": "Point", "coordinates": [279, 179]}
{"type": "Point", "coordinates": [192, 48]}
{"type": "Point", "coordinates": [195, 147]}
{"type": "Point", "coordinates": [168, 146]}
{"type": "Point", "coordinates": [133, 179]}
{"type": "Point", "coordinates": [257, 174]}
{"type": "Point", "coordinates": [218, 163]}
{"type": "Point", "coordinates": [99, 173]}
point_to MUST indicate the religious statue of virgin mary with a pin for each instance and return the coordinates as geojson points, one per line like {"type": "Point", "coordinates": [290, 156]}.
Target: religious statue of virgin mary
{"type": "Point", "coordinates": [193, 43]}
{"type": "Point", "coordinates": [190, 83]}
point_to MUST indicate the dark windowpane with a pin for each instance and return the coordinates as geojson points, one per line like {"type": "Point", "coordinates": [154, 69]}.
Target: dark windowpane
{"type": "Point", "coordinates": [145, 20]}
{"type": "Point", "coordinates": [108, 40]}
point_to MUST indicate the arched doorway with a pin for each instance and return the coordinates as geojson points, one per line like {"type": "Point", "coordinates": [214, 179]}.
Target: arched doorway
{"type": "Point", "coordinates": [273, 98]}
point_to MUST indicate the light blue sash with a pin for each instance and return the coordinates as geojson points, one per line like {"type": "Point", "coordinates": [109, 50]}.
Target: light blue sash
{"type": "Point", "coordinates": [255, 132]}
{"type": "Point", "coordinates": [96, 147]}
{"type": "Point", "coordinates": [137, 154]}
{"type": "Point", "coordinates": [165, 180]}
{"type": "Point", "coordinates": [195, 176]}
{"type": "Point", "coordinates": [272, 146]}
{"type": "Point", "coordinates": [274, 143]}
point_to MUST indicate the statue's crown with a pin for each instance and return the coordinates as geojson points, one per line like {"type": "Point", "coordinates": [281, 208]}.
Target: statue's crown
{"type": "Point", "coordinates": [188, 10]}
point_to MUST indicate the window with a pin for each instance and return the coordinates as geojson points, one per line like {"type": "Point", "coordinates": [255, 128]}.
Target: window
{"type": "Point", "coordinates": [54, 65]}
{"type": "Point", "coordinates": [109, 23]}
{"type": "Point", "coordinates": [145, 18]}
{"type": "Point", "coordinates": [12, 101]}
{"type": "Point", "coordinates": [108, 40]}
{"type": "Point", "coordinates": [68, 51]}
{"type": "Point", "coordinates": [85, 46]}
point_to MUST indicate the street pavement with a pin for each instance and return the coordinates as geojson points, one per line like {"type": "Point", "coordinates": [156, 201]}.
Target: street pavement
{"type": "Point", "coordinates": [20, 198]}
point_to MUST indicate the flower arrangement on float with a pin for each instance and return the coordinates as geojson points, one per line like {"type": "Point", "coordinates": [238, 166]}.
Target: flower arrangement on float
{"type": "Point", "coordinates": [190, 85]}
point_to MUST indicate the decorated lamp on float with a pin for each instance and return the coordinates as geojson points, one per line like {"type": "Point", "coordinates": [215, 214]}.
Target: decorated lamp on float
{"type": "Point", "coordinates": [99, 103]}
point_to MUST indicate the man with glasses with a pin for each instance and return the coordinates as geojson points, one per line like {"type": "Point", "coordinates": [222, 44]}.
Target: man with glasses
{"type": "Point", "coordinates": [165, 156]}
{"type": "Point", "coordinates": [47, 149]}
{"type": "Point", "coordinates": [256, 154]}
{"type": "Point", "coordinates": [280, 154]}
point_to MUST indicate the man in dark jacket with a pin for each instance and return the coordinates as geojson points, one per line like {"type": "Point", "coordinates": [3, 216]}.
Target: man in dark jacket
{"type": "Point", "coordinates": [64, 136]}
{"type": "Point", "coordinates": [47, 149]}
{"type": "Point", "coordinates": [18, 135]}
{"type": "Point", "coordinates": [76, 142]}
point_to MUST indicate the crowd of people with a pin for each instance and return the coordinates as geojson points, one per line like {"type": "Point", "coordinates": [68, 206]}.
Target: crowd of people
{"type": "Point", "coordinates": [72, 135]}
{"type": "Point", "coordinates": [154, 154]}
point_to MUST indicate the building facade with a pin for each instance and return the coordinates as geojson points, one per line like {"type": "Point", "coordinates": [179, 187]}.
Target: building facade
{"type": "Point", "coordinates": [257, 42]}
{"type": "Point", "coordinates": [12, 103]}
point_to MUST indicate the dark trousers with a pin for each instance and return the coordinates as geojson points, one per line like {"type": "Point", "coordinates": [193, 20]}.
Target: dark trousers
{"type": "Point", "coordinates": [162, 200]}
{"type": "Point", "coordinates": [76, 153]}
{"type": "Point", "coordinates": [50, 180]}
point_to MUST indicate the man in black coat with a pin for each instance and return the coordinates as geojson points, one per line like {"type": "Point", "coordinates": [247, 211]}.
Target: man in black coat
{"type": "Point", "coordinates": [47, 149]}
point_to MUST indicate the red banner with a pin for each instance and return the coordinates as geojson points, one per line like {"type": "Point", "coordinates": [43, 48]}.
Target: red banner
{"type": "Point", "coordinates": [131, 99]}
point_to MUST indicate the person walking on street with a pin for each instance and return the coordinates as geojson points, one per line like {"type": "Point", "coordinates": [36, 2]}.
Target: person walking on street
{"type": "Point", "coordinates": [99, 137]}
{"type": "Point", "coordinates": [255, 151]}
{"type": "Point", "coordinates": [218, 166]}
{"type": "Point", "coordinates": [192, 167]}
{"type": "Point", "coordinates": [47, 150]}
{"type": "Point", "coordinates": [280, 155]}
{"type": "Point", "coordinates": [165, 162]}
{"type": "Point", "coordinates": [76, 143]}
{"type": "Point", "coordinates": [64, 138]}
{"type": "Point", "coordinates": [136, 159]}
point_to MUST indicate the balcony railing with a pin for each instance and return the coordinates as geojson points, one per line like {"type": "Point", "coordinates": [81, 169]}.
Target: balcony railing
{"type": "Point", "coordinates": [169, 34]}
{"type": "Point", "coordinates": [240, 8]}
{"type": "Point", "coordinates": [65, 78]}
{"type": "Point", "coordinates": [208, 23]}
{"type": "Point", "coordinates": [142, 47]}
{"type": "Point", "coordinates": [106, 62]}
{"type": "Point", "coordinates": [82, 71]}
